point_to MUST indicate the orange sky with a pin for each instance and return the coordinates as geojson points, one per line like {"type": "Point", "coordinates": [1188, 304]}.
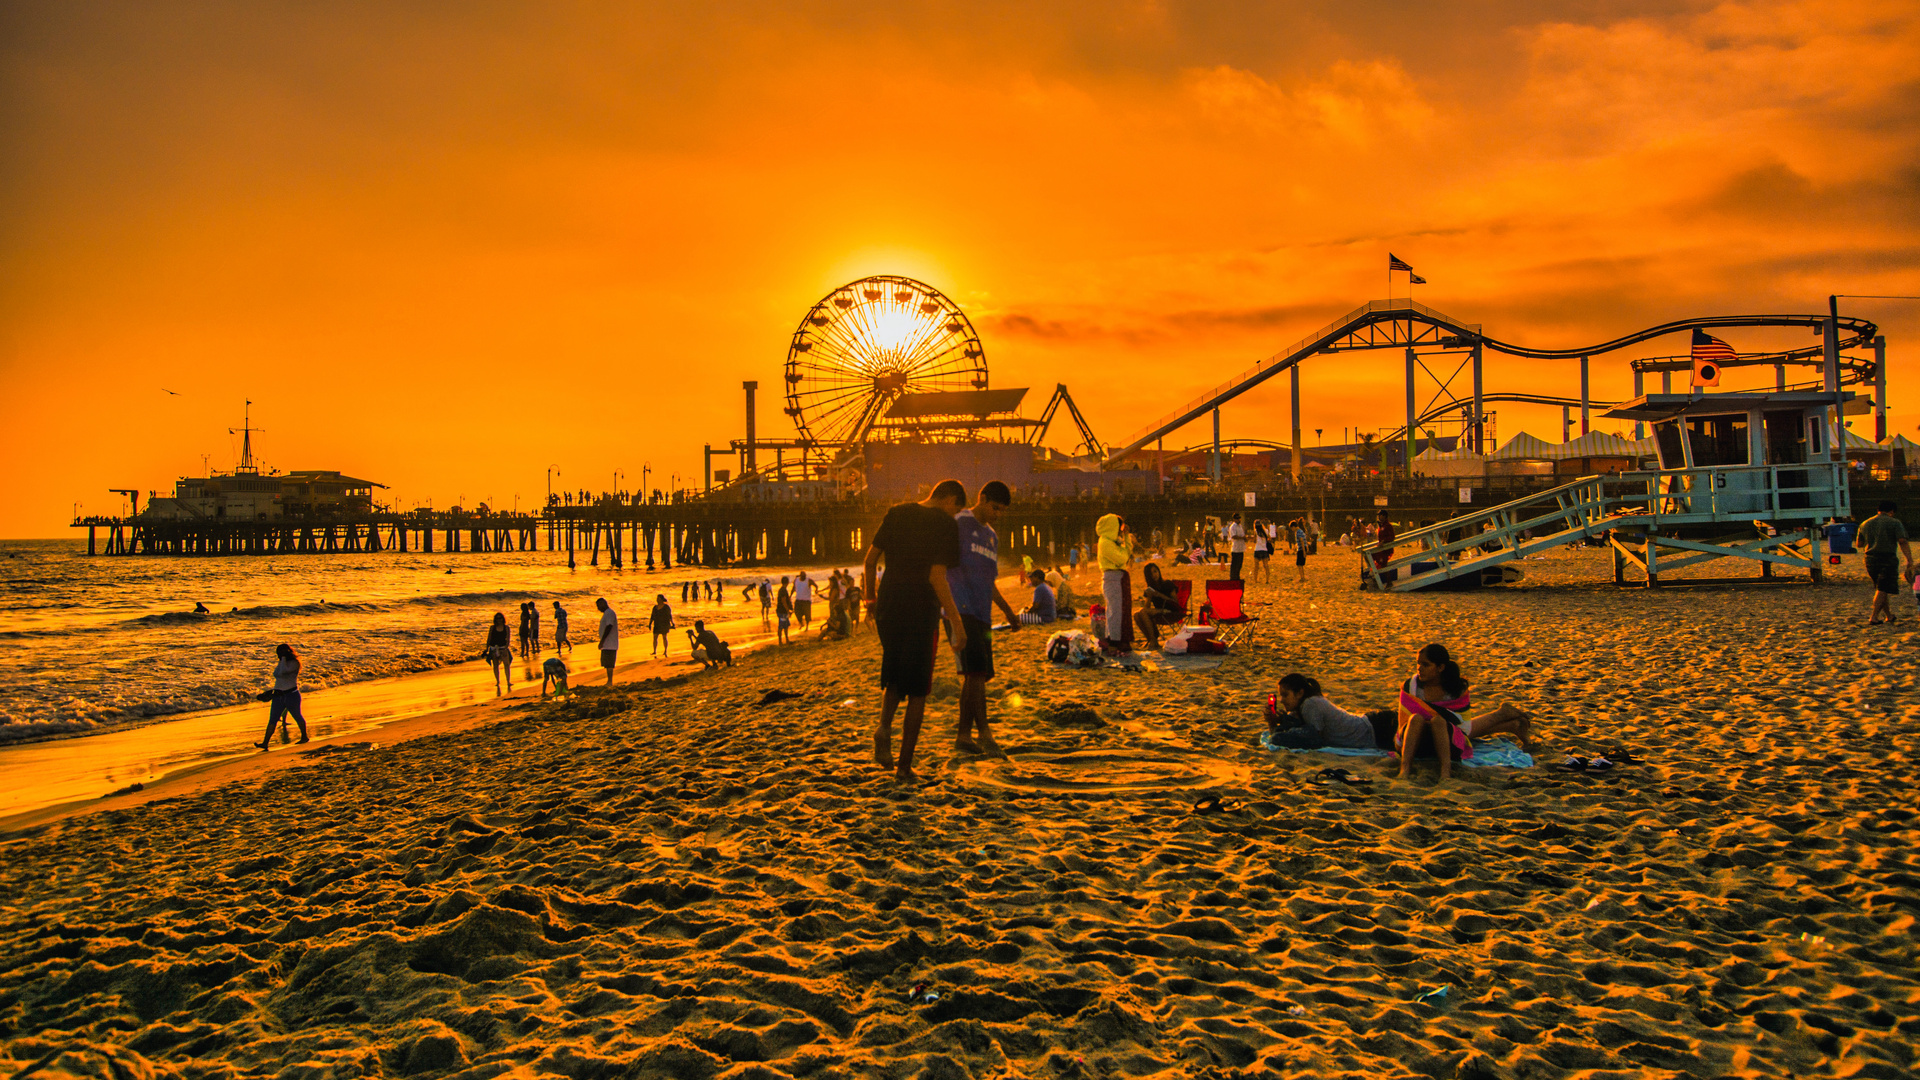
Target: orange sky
{"type": "Point", "coordinates": [446, 247]}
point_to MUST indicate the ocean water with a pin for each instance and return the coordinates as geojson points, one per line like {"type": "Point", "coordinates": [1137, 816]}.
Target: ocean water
{"type": "Point", "coordinates": [90, 644]}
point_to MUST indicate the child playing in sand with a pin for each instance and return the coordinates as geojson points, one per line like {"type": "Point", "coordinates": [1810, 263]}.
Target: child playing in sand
{"type": "Point", "coordinates": [554, 673]}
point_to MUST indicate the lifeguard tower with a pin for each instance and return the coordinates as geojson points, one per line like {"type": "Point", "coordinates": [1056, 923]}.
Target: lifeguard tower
{"type": "Point", "coordinates": [1763, 465]}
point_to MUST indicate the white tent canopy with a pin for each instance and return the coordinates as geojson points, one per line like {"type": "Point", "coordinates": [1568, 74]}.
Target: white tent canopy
{"type": "Point", "coordinates": [1435, 454]}
{"type": "Point", "coordinates": [1900, 442]}
{"type": "Point", "coordinates": [1861, 442]}
{"type": "Point", "coordinates": [1525, 447]}
{"type": "Point", "coordinates": [1594, 444]}
{"type": "Point", "coordinates": [1605, 444]}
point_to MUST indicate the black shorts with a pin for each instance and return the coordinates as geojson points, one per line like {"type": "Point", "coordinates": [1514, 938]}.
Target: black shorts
{"type": "Point", "coordinates": [977, 657]}
{"type": "Point", "coordinates": [803, 610]}
{"type": "Point", "coordinates": [1884, 572]}
{"type": "Point", "coordinates": [908, 638]}
{"type": "Point", "coordinates": [606, 658]}
{"type": "Point", "coordinates": [1262, 556]}
{"type": "Point", "coordinates": [1300, 557]}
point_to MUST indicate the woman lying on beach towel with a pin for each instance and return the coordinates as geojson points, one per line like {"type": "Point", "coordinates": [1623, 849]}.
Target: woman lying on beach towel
{"type": "Point", "coordinates": [1322, 723]}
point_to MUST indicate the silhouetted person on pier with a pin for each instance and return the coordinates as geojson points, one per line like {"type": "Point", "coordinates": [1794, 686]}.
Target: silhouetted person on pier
{"type": "Point", "coordinates": [560, 639]}
{"type": "Point", "coordinates": [499, 651]}
{"type": "Point", "coordinates": [286, 696]}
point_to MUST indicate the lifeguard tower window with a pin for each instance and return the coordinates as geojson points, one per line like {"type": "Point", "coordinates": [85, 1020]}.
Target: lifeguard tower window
{"type": "Point", "coordinates": [1673, 454]}
{"type": "Point", "coordinates": [1717, 440]}
{"type": "Point", "coordinates": [1786, 437]}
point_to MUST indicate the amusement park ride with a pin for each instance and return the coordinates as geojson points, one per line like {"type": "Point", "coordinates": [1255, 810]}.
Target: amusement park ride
{"type": "Point", "coordinates": [888, 359]}
{"type": "Point", "coordinates": [893, 360]}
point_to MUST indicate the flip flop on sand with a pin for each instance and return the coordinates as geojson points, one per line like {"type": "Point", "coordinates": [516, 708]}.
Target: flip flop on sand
{"type": "Point", "coordinates": [772, 696]}
{"type": "Point", "coordinates": [1580, 764]}
{"type": "Point", "coordinates": [1209, 805]}
{"type": "Point", "coordinates": [1326, 777]}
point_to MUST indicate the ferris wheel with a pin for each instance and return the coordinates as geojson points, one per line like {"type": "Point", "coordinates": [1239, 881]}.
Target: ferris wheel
{"type": "Point", "coordinates": [870, 341]}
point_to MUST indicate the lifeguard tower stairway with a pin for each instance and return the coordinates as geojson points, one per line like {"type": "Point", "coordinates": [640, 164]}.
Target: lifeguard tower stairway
{"type": "Point", "coordinates": [1771, 513]}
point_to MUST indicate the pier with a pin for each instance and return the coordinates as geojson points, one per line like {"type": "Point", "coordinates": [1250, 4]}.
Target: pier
{"type": "Point", "coordinates": [715, 533]}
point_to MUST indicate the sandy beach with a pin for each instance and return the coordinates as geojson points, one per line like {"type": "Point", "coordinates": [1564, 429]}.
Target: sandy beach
{"type": "Point", "coordinates": [667, 879]}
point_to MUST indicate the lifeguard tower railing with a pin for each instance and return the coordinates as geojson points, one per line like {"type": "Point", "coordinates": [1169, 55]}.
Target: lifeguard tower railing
{"type": "Point", "coordinates": [1788, 501]}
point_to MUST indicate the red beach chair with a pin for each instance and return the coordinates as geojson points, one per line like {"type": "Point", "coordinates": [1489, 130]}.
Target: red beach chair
{"type": "Point", "coordinates": [1183, 599]}
{"type": "Point", "coordinates": [1223, 599]}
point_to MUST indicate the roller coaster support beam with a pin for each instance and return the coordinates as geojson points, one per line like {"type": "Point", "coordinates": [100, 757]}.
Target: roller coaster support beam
{"type": "Point", "coordinates": [1410, 428]}
{"type": "Point", "coordinates": [1479, 406]}
{"type": "Point", "coordinates": [1216, 446]}
{"type": "Point", "coordinates": [1639, 390]}
{"type": "Point", "coordinates": [1880, 388]}
{"type": "Point", "coordinates": [1294, 371]}
{"type": "Point", "coordinates": [1831, 345]}
{"type": "Point", "coordinates": [1586, 397]}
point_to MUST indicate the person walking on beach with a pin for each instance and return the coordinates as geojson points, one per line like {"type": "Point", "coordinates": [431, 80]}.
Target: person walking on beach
{"type": "Point", "coordinates": [783, 611]}
{"type": "Point", "coordinates": [920, 543]}
{"type": "Point", "coordinates": [499, 652]}
{"type": "Point", "coordinates": [524, 629]}
{"type": "Point", "coordinates": [533, 625]}
{"type": "Point", "coordinates": [975, 592]}
{"type": "Point", "coordinates": [766, 602]}
{"type": "Point", "coordinates": [803, 601]}
{"type": "Point", "coordinates": [1879, 535]}
{"type": "Point", "coordinates": [560, 639]}
{"type": "Point", "coordinates": [286, 695]}
{"type": "Point", "coordinates": [1300, 542]}
{"type": "Point", "coordinates": [1236, 547]}
{"type": "Point", "coordinates": [1262, 550]}
{"type": "Point", "coordinates": [661, 621]}
{"type": "Point", "coordinates": [609, 637]}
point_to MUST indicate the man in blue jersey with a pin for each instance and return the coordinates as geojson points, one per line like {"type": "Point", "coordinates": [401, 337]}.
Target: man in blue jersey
{"type": "Point", "coordinates": [975, 592]}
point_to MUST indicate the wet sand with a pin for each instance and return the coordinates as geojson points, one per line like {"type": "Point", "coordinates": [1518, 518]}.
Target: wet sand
{"type": "Point", "coordinates": [666, 880]}
{"type": "Point", "coordinates": [53, 777]}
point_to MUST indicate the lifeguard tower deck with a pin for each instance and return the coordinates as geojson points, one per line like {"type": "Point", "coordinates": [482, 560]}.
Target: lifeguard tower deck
{"type": "Point", "coordinates": [1764, 465]}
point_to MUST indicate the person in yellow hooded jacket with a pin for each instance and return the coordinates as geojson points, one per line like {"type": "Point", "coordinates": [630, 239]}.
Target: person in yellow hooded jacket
{"type": "Point", "coordinates": [1116, 585]}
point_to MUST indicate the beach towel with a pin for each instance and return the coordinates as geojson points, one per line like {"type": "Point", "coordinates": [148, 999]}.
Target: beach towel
{"type": "Point", "coordinates": [1487, 753]}
{"type": "Point", "coordinates": [1411, 706]}
{"type": "Point", "coordinates": [1188, 662]}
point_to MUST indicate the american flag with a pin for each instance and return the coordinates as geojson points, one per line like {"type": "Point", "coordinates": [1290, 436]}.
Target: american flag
{"type": "Point", "coordinates": [1394, 263]}
{"type": "Point", "coordinates": [1710, 348]}
{"type": "Point", "coordinates": [1416, 279]}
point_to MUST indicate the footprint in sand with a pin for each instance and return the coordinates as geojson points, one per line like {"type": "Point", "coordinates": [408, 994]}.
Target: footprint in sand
{"type": "Point", "coordinates": [1115, 772]}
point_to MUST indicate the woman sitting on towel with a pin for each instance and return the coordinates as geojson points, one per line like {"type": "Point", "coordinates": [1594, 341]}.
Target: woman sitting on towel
{"type": "Point", "coordinates": [1322, 723]}
{"type": "Point", "coordinates": [1431, 706]}
{"type": "Point", "coordinates": [1159, 605]}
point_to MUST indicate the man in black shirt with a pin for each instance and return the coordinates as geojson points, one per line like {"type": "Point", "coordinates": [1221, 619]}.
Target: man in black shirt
{"type": "Point", "coordinates": [920, 541]}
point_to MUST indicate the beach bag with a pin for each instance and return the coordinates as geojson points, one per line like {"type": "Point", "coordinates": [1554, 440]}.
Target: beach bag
{"type": "Point", "coordinates": [1074, 648]}
{"type": "Point", "coordinates": [1097, 618]}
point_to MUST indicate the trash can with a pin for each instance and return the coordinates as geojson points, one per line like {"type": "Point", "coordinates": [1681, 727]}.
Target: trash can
{"type": "Point", "coordinates": [1840, 537]}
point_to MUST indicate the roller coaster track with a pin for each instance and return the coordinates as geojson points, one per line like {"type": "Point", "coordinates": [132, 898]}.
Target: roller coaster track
{"type": "Point", "coordinates": [1383, 324]}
